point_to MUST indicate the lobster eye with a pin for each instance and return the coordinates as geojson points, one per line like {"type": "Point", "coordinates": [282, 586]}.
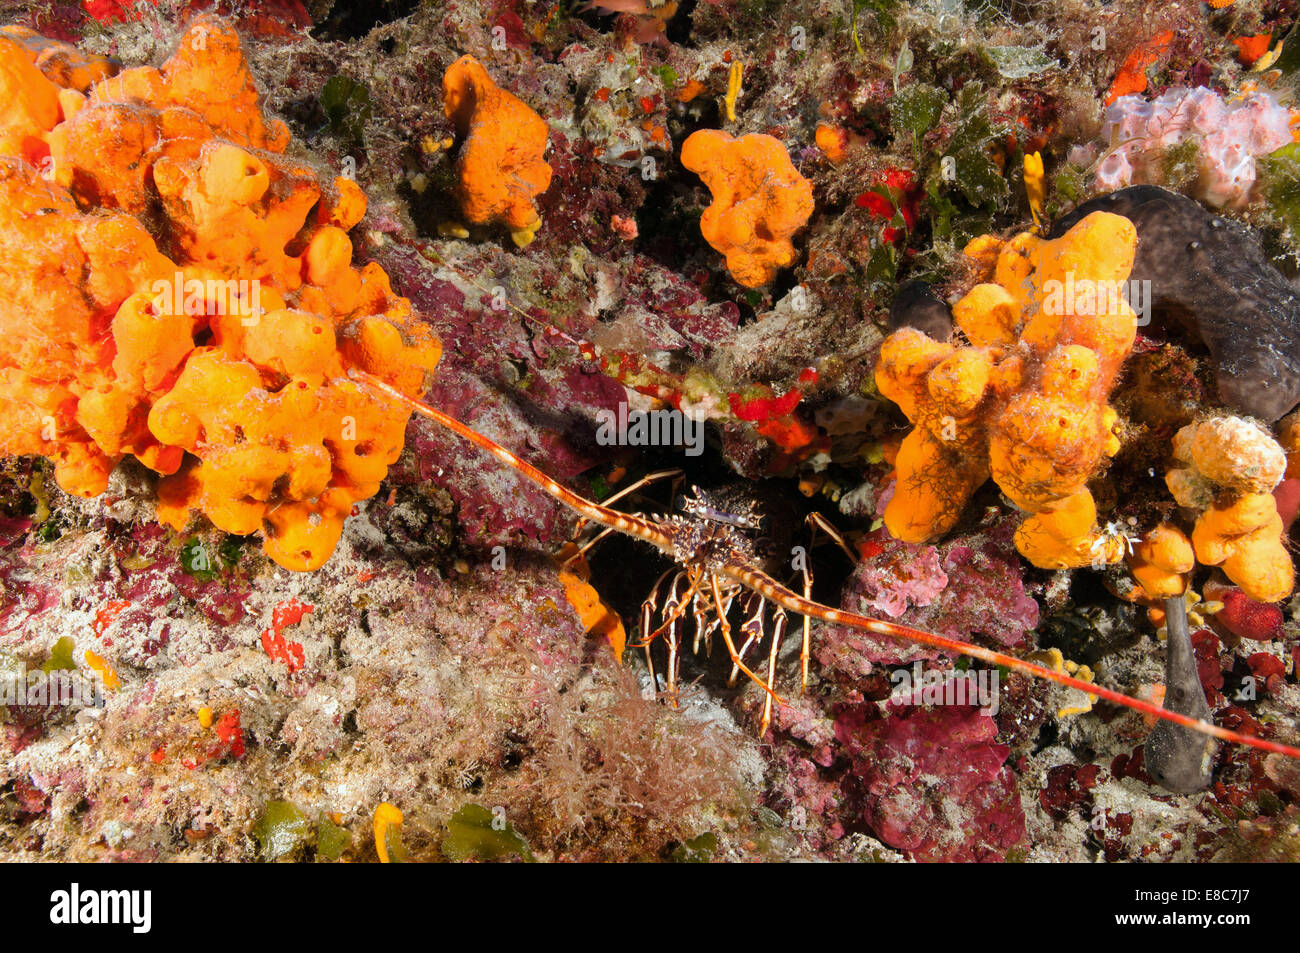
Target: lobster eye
{"type": "Point", "coordinates": [682, 503]}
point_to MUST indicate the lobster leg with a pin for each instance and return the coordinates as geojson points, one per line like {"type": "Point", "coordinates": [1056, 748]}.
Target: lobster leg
{"type": "Point", "coordinates": [736, 660]}
{"type": "Point", "coordinates": [582, 550]}
{"type": "Point", "coordinates": [628, 491]}
{"type": "Point", "coordinates": [816, 522]}
{"type": "Point", "coordinates": [778, 636]}
{"type": "Point", "coordinates": [648, 610]}
{"type": "Point", "coordinates": [751, 629]}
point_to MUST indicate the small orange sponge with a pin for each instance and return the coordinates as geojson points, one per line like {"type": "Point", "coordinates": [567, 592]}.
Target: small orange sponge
{"type": "Point", "coordinates": [1244, 537]}
{"type": "Point", "coordinates": [1227, 467]}
{"type": "Point", "coordinates": [759, 201]}
{"type": "Point", "coordinates": [1161, 562]}
{"type": "Point", "coordinates": [500, 170]}
{"type": "Point", "coordinates": [174, 289]}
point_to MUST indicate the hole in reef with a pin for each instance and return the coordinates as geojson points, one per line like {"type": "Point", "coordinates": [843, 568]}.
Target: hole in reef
{"type": "Point", "coordinates": [785, 509]}
{"type": "Point", "coordinates": [351, 21]}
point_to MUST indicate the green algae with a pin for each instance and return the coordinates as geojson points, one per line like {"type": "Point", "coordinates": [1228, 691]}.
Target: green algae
{"type": "Point", "coordinates": [475, 832]}
{"type": "Point", "coordinates": [281, 830]}
{"type": "Point", "coordinates": [61, 657]}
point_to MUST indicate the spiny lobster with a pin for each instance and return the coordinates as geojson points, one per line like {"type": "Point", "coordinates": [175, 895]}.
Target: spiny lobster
{"type": "Point", "coordinates": [713, 561]}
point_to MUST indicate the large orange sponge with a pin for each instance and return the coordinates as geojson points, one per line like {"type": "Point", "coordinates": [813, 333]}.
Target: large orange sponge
{"type": "Point", "coordinates": [759, 201]}
{"type": "Point", "coordinates": [172, 288]}
{"type": "Point", "coordinates": [1026, 401]}
{"type": "Point", "coordinates": [500, 170]}
{"type": "Point", "coordinates": [941, 389]}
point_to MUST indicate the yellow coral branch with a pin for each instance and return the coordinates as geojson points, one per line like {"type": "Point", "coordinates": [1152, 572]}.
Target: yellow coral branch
{"type": "Point", "coordinates": [387, 819]}
{"type": "Point", "coordinates": [734, 79]}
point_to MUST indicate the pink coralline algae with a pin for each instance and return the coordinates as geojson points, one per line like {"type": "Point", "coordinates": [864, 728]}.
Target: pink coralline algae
{"type": "Point", "coordinates": [809, 795]}
{"type": "Point", "coordinates": [969, 586]}
{"type": "Point", "coordinates": [935, 781]}
{"type": "Point", "coordinates": [900, 575]}
{"type": "Point", "coordinates": [1229, 136]}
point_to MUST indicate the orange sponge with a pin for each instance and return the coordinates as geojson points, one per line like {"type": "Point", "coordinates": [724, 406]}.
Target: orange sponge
{"type": "Point", "coordinates": [29, 107]}
{"type": "Point", "coordinates": [1223, 454]}
{"type": "Point", "coordinates": [63, 64]}
{"type": "Point", "coordinates": [941, 389]}
{"type": "Point", "coordinates": [1161, 561]}
{"type": "Point", "coordinates": [759, 201]}
{"type": "Point", "coordinates": [1227, 467]}
{"type": "Point", "coordinates": [1245, 538]}
{"type": "Point", "coordinates": [500, 170]}
{"type": "Point", "coordinates": [178, 291]}
{"type": "Point", "coordinates": [1026, 401]}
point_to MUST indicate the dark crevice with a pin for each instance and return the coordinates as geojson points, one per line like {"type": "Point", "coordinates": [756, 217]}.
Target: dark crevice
{"type": "Point", "coordinates": [351, 21]}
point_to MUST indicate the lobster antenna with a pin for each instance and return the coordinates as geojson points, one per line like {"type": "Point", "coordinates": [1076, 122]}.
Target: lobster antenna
{"type": "Point", "coordinates": [586, 348]}
{"type": "Point", "coordinates": [623, 522]}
